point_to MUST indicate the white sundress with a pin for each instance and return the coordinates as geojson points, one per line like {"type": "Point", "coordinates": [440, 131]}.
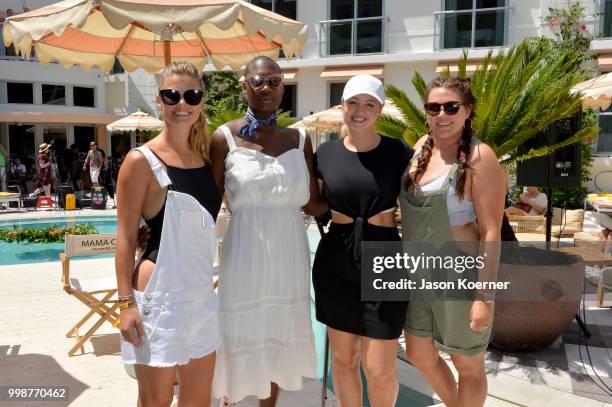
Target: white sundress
{"type": "Point", "coordinates": [264, 281]}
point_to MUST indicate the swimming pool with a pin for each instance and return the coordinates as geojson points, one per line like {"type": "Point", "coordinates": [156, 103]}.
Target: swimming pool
{"type": "Point", "coordinates": [22, 253]}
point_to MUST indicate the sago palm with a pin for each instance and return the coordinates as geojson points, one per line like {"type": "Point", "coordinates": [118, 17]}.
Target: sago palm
{"type": "Point", "coordinates": [519, 93]}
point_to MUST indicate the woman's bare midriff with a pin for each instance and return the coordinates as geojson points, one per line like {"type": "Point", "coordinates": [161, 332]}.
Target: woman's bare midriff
{"type": "Point", "coordinates": [467, 234]}
{"type": "Point", "coordinates": [384, 219]}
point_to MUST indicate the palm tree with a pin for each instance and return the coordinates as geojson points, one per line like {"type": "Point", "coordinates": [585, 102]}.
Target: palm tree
{"type": "Point", "coordinates": [519, 94]}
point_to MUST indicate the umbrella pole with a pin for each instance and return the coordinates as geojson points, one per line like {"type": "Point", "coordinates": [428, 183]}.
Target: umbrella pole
{"type": "Point", "coordinates": [167, 53]}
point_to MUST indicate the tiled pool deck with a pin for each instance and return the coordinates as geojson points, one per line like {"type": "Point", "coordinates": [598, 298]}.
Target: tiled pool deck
{"type": "Point", "coordinates": [37, 313]}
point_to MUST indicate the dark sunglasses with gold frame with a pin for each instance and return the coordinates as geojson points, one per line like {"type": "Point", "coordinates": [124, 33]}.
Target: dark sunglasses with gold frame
{"type": "Point", "coordinates": [258, 81]}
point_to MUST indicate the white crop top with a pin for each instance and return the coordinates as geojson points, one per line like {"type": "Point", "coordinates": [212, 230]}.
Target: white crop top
{"type": "Point", "coordinates": [460, 212]}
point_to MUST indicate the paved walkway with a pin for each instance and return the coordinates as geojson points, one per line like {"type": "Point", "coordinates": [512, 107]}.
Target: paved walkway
{"type": "Point", "coordinates": [37, 313]}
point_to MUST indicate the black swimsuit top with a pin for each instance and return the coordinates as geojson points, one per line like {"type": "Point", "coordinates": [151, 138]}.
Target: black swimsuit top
{"type": "Point", "coordinates": [362, 184]}
{"type": "Point", "coordinates": [197, 182]}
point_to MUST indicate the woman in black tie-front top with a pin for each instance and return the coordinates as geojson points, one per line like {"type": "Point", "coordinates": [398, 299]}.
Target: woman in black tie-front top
{"type": "Point", "coordinates": [361, 177]}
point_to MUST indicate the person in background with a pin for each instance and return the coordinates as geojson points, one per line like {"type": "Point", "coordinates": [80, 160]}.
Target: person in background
{"type": "Point", "coordinates": [106, 175]}
{"type": "Point", "coordinates": [10, 50]}
{"type": "Point", "coordinates": [19, 173]}
{"type": "Point", "coordinates": [3, 161]}
{"type": "Point", "coordinates": [44, 178]}
{"type": "Point", "coordinates": [95, 162]}
{"type": "Point", "coordinates": [69, 163]}
{"type": "Point", "coordinates": [531, 202]}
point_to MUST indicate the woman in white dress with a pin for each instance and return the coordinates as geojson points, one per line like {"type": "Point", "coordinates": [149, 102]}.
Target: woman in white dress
{"type": "Point", "coordinates": [264, 283]}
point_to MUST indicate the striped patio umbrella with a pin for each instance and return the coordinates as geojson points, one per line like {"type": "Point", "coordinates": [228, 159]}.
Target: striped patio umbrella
{"type": "Point", "coordinates": [596, 92]}
{"type": "Point", "coordinates": [136, 121]}
{"type": "Point", "coordinates": [148, 34]}
{"type": "Point", "coordinates": [331, 119]}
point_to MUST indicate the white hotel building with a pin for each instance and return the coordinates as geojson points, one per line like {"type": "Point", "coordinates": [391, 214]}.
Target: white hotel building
{"type": "Point", "coordinates": [388, 38]}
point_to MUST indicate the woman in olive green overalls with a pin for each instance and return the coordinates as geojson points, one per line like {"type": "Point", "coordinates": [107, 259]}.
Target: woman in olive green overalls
{"type": "Point", "coordinates": [454, 191]}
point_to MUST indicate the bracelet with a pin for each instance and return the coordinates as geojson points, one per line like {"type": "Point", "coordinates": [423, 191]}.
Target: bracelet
{"type": "Point", "coordinates": [126, 304]}
{"type": "Point", "coordinates": [125, 298]}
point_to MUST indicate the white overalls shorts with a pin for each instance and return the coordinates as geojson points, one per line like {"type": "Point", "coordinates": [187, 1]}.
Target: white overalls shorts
{"type": "Point", "coordinates": [178, 306]}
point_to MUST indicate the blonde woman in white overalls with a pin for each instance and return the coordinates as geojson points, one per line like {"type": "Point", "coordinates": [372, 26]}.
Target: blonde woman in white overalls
{"type": "Point", "coordinates": [169, 321]}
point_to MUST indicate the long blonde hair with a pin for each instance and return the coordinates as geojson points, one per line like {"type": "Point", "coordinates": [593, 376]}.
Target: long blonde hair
{"type": "Point", "coordinates": [199, 139]}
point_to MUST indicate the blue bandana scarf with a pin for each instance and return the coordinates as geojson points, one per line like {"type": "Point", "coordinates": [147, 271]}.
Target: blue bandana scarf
{"type": "Point", "coordinates": [248, 130]}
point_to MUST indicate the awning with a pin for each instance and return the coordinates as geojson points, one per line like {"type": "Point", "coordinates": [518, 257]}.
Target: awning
{"type": "Point", "coordinates": [604, 62]}
{"type": "Point", "coordinates": [289, 75]}
{"type": "Point", "coordinates": [57, 118]}
{"type": "Point", "coordinates": [596, 92]}
{"type": "Point", "coordinates": [347, 72]}
{"type": "Point", "coordinates": [453, 66]}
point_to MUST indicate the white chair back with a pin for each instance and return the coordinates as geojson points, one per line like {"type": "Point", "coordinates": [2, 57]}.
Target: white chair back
{"type": "Point", "coordinates": [90, 245]}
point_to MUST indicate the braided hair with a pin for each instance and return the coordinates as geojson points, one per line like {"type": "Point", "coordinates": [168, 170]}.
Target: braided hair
{"type": "Point", "coordinates": [462, 87]}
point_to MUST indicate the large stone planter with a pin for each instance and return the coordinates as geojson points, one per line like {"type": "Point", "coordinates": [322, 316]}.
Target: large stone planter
{"type": "Point", "coordinates": [553, 282]}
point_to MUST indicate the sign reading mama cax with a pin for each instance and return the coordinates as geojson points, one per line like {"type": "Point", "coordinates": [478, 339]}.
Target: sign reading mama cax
{"type": "Point", "coordinates": [86, 245]}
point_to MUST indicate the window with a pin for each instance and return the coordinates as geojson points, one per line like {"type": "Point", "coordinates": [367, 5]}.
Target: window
{"type": "Point", "coordinates": [604, 140]}
{"type": "Point", "coordinates": [83, 135]}
{"type": "Point", "coordinates": [53, 94]}
{"type": "Point", "coordinates": [20, 92]}
{"type": "Point", "coordinates": [56, 135]}
{"type": "Point", "coordinates": [360, 29]}
{"type": "Point", "coordinates": [21, 140]}
{"type": "Point", "coordinates": [287, 8]}
{"type": "Point", "coordinates": [289, 102]}
{"type": "Point", "coordinates": [335, 93]}
{"type": "Point", "coordinates": [83, 96]}
{"type": "Point", "coordinates": [606, 29]}
{"type": "Point", "coordinates": [472, 23]}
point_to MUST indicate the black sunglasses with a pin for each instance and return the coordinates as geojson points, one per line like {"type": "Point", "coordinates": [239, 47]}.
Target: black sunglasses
{"type": "Point", "coordinates": [450, 108]}
{"type": "Point", "coordinates": [257, 81]}
{"type": "Point", "coordinates": [171, 97]}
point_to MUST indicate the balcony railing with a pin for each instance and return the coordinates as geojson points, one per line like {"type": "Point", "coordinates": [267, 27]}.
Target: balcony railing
{"type": "Point", "coordinates": [474, 28]}
{"type": "Point", "coordinates": [355, 36]}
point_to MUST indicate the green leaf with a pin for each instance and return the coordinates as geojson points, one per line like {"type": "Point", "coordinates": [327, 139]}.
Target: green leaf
{"type": "Point", "coordinates": [419, 85]}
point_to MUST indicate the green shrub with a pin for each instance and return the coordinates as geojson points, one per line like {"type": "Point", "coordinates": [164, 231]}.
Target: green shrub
{"type": "Point", "coordinates": [49, 234]}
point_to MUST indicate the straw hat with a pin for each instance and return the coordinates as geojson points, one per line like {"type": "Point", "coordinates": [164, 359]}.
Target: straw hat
{"type": "Point", "coordinates": [43, 147]}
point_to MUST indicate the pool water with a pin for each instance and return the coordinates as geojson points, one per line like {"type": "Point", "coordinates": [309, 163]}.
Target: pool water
{"type": "Point", "coordinates": [22, 253]}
